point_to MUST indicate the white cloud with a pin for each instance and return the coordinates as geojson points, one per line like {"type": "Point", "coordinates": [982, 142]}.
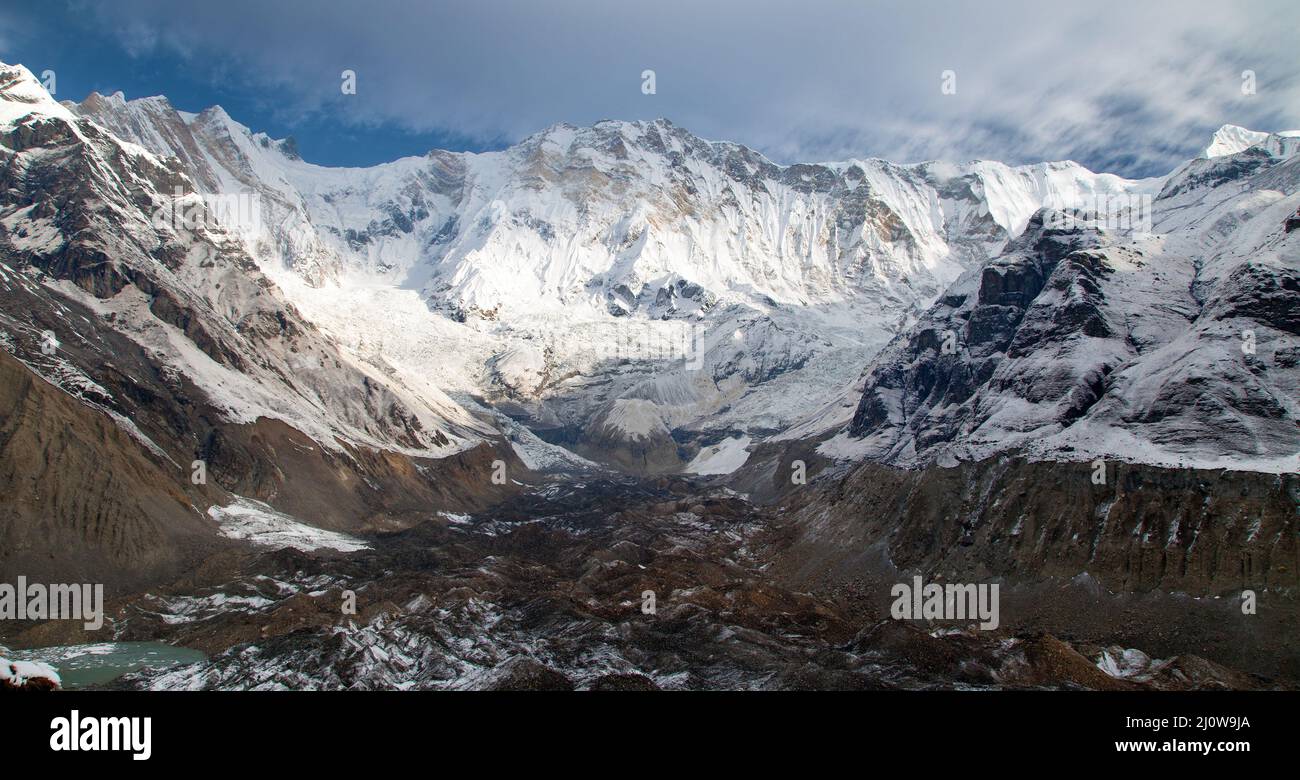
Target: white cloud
{"type": "Point", "coordinates": [1116, 84]}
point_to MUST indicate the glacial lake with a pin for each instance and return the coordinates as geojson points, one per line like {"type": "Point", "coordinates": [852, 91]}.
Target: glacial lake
{"type": "Point", "coordinates": [80, 666]}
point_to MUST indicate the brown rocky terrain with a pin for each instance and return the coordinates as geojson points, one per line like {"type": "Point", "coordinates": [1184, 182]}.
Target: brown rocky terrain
{"type": "Point", "coordinates": [549, 591]}
{"type": "Point", "coordinates": [1156, 557]}
{"type": "Point", "coordinates": [1198, 532]}
{"type": "Point", "coordinates": [83, 501]}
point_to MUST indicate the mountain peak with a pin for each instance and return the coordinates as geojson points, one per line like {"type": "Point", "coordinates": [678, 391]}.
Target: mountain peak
{"type": "Point", "coordinates": [21, 94]}
{"type": "Point", "coordinates": [1231, 139]}
{"type": "Point", "coordinates": [97, 101]}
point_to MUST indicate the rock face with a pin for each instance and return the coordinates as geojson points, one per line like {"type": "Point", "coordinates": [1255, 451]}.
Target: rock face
{"type": "Point", "coordinates": [958, 346]}
{"type": "Point", "coordinates": [83, 500]}
{"type": "Point", "coordinates": [1146, 528]}
{"type": "Point", "coordinates": [1131, 561]}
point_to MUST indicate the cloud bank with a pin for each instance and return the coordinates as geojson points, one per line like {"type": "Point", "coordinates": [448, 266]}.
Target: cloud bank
{"type": "Point", "coordinates": [1122, 86]}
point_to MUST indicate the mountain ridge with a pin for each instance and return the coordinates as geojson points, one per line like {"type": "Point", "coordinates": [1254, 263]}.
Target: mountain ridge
{"type": "Point", "coordinates": [616, 227]}
{"type": "Point", "coordinates": [562, 270]}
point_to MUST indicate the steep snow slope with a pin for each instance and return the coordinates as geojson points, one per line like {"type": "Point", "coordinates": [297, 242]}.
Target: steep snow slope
{"type": "Point", "coordinates": [624, 261]}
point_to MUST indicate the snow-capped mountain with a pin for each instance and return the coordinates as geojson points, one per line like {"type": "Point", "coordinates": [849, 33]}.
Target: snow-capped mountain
{"type": "Point", "coordinates": [235, 386]}
{"type": "Point", "coordinates": [610, 285]}
{"type": "Point", "coordinates": [120, 290]}
{"type": "Point", "coordinates": [633, 293]}
{"type": "Point", "coordinates": [129, 220]}
{"type": "Point", "coordinates": [1174, 345]}
{"type": "Point", "coordinates": [1231, 139]}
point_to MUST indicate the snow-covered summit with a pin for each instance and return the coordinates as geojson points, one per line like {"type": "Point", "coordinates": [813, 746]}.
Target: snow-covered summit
{"type": "Point", "coordinates": [1231, 139]}
{"type": "Point", "coordinates": [22, 95]}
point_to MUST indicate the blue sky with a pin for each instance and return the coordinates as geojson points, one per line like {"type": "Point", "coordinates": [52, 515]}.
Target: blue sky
{"type": "Point", "coordinates": [1128, 87]}
{"type": "Point", "coordinates": [90, 56]}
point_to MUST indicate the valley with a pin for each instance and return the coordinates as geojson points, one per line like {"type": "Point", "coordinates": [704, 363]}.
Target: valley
{"type": "Point", "coordinates": [635, 585]}
{"type": "Point", "coordinates": [617, 407]}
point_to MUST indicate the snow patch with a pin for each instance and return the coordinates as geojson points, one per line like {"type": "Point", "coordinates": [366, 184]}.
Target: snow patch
{"type": "Point", "coordinates": [256, 522]}
{"type": "Point", "coordinates": [722, 458]}
{"type": "Point", "coordinates": [18, 673]}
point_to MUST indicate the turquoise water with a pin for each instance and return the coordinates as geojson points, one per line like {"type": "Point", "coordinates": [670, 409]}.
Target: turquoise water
{"type": "Point", "coordinates": [95, 664]}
